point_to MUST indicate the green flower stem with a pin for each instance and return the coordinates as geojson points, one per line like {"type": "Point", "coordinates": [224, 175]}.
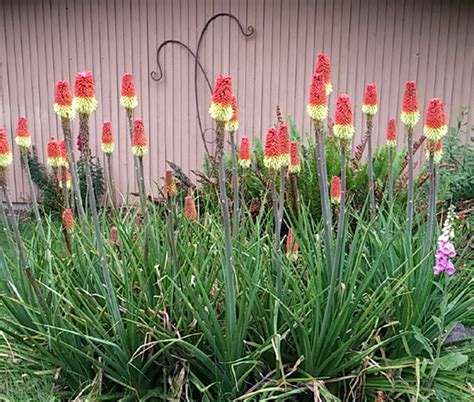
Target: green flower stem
{"type": "Point", "coordinates": [235, 185]}
{"type": "Point", "coordinates": [34, 201]}
{"type": "Point", "coordinates": [409, 216]}
{"type": "Point", "coordinates": [144, 206]}
{"type": "Point", "coordinates": [390, 175]}
{"type": "Point", "coordinates": [431, 202]}
{"type": "Point", "coordinates": [110, 178]}
{"type": "Point", "coordinates": [111, 300]}
{"type": "Point", "coordinates": [66, 126]}
{"type": "Point", "coordinates": [296, 195]}
{"type": "Point", "coordinates": [278, 209]}
{"type": "Point", "coordinates": [370, 125]}
{"type": "Point", "coordinates": [171, 234]}
{"type": "Point", "coordinates": [24, 261]}
{"type": "Point", "coordinates": [324, 195]}
{"type": "Point", "coordinates": [130, 131]}
{"type": "Point", "coordinates": [342, 211]}
{"type": "Point", "coordinates": [230, 297]}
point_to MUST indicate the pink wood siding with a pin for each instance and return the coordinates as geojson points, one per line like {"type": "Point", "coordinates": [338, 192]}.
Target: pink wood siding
{"type": "Point", "coordinates": [386, 41]}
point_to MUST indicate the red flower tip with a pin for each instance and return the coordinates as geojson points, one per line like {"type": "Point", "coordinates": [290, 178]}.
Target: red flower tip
{"type": "Point", "coordinates": [370, 97]}
{"type": "Point", "coordinates": [392, 130]}
{"type": "Point", "coordinates": [68, 219]}
{"type": "Point", "coordinates": [139, 136]}
{"type": "Point", "coordinates": [4, 147]}
{"type": "Point", "coordinates": [272, 148]}
{"type": "Point", "coordinates": [435, 115]}
{"type": "Point", "coordinates": [323, 66]}
{"type": "Point", "coordinates": [84, 85]}
{"type": "Point", "coordinates": [295, 158]}
{"type": "Point", "coordinates": [284, 139]}
{"type": "Point", "coordinates": [343, 115]}
{"type": "Point", "coordinates": [128, 85]}
{"type": "Point", "coordinates": [169, 185]}
{"type": "Point", "coordinates": [53, 149]}
{"type": "Point", "coordinates": [189, 208]}
{"type": "Point", "coordinates": [63, 94]}
{"type": "Point", "coordinates": [22, 127]}
{"type": "Point", "coordinates": [317, 92]}
{"type": "Point", "coordinates": [107, 136]}
{"type": "Point", "coordinates": [244, 148]}
{"type": "Point", "coordinates": [222, 93]}
{"type": "Point", "coordinates": [410, 99]}
{"type": "Point", "coordinates": [335, 188]}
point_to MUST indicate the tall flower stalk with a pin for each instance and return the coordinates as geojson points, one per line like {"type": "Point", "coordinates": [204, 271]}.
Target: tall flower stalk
{"type": "Point", "coordinates": [85, 104]}
{"type": "Point", "coordinates": [369, 108]}
{"type": "Point", "coordinates": [64, 109]}
{"type": "Point", "coordinates": [169, 187]}
{"type": "Point", "coordinates": [317, 110]}
{"type": "Point", "coordinates": [231, 127]}
{"type": "Point", "coordinates": [245, 160]}
{"type": "Point", "coordinates": [23, 140]}
{"type": "Point", "coordinates": [6, 158]}
{"type": "Point", "coordinates": [392, 145]}
{"type": "Point", "coordinates": [410, 116]}
{"type": "Point", "coordinates": [221, 112]}
{"type": "Point", "coordinates": [293, 170]}
{"type": "Point", "coordinates": [108, 148]}
{"type": "Point", "coordinates": [435, 129]}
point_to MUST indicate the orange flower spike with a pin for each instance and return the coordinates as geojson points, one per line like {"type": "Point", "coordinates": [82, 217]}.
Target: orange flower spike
{"type": "Point", "coordinates": [343, 121]}
{"type": "Point", "coordinates": [291, 246]}
{"type": "Point", "coordinates": [369, 106]}
{"type": "Point", "coordinates": [271, 157]}
{"type": "Point", "coordinates": [114, 240]}
{"type": "Point", "coordinates": [68, 220]}
{"type": "Point", "coordinates": [284, 145]}
{"type": "Point", "coordinates": [410, 113]}
{"type": "Point", "coordinates": [169, 185]}
{"type": "Point", "coordinates": [221, 107]}
{"type": "Point", "coordinates": [54, 153]}
{"type": "Point", "coordinates": [392, 134]}
{"type": "Point", "coordinates": [23, 138]}
{"type": "Point", "coordinates": [128, 94]}
{"type": "Point", "coordinates": [63, 101]}
{"type": "Point", "coordinates": [233, 124]}
{"type": "Point", "coordinates": [190, 208]}
{"type": "Point", "coordinates": [107, 138]}
{"type": "Point", "coordinates": [84, 101]}
{"type": "Point", "coordinates": [244, 153]}
{"type": "Point", "coordinates": [435, 121]}
{"type": "Point", "coordinates": [323, 67]}
{"type": "Point", "coordinates": [139, 141]}
{"type": "Point", "coordinates": [335, 190]}
{"type": "Point", "coordinates": [317, 107]}
{"type": "Point", "coordinates": [295, 158]}
{"type": "Point", "coordinates": [63, 158]}
{"type": "Point", "coordinates": [6, 157]}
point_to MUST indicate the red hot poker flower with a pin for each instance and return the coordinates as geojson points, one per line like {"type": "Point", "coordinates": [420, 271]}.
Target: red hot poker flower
{"type": "Point", "coordinates": [343, 125]}
{"type": "Point", "coordinates": [84, 92]}
{"type": "Point", "coordinates": [139, 141]}
{"type": "Point", "coordinates": [64, 158]}
{"type": "Point", "coordinates": [335, 190]}
{"type": "Point", "coordinates": [190, 208]}
{"type": "Point", "coordinates": [369, 106]}
{"type": "Point", "coordinates": [63, 101]}
{"type": "Point", "coordinates": [291, 246]}
{"type": "Point", "coordinates": [244, 153]}
{"type": "Point", "coordinates": [317, 107]}
{"type": "Point", "coordinates": [284, 144]}
{"type": "Point", "coordinates": [221, 106]}
{"type": "Point", "coordinates": [271, 158]}
{"type": "Point", "coordinates": [295, 158]}
{"type": "Point", "coordinates": [23, 138]}
{"type": "Point", "coordinates": [54, 153]}
{"type": "Point", "coordinates": [392, 133]}
{"type": "Point", "coordinates": [128, 94]}
{"type": "Point", "coordinates": [435, 121]}
{"type": "Point", "coordinates": [6, 157]}
{"type": "Point", "coordinates": [107, 138]}
{"type": "Point", "coordinates": [410, 112]}
{"type": "Point", "coordinates": [68, 219]}
{"type": "Point", "coordinates": [169, 185]}
{"type": "Point", "coordinates": [233, 124]}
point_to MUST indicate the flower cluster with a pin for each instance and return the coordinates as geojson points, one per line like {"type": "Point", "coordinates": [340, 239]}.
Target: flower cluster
{"type": "Point", "coordinates": [6, 157]}
{"type": "Point", "coordinates": [284, 145]}
{"type": "Point", "coordinates": [107, 138]}
{"type": "Point", "coordinates": [139, 142]}
{"type": "Point", "coordinates": [435, 121]}
{"type": "Point", "coordinates": [410, 114]}
{"type": "Point", "coordinates": [323, 67]}
{"type": "Point", "coordinates": [221, 107]}
{"type": "Point", "coordinates": [169, 185]}
{"type": "Point", "coordinates": [317, 107]}
{"type": "Point", "coordinates": [343, 121]}
{"type": "Point", "coordinates": [369, 106]}
{"type": "Point", "coordinates": [84, 101]}
{"type": "Point", "coordinates": [190, 208]}
{"type": "Point", "coordinates": [244, 153]}
{"type": "Point", "coordinates": [68, 220]}
{"type": "Point", "coordinates": [233, 124]}
{"type": "Point", "coordinates": [63, 101]}
{"type": "Point", "coordinates": [335, 190]}
{"type": "Point", "coordinates": [295, 158]}
{"type": "Point", "coordinates": [128, 94]}
{"type": "Point", "coordinates": [392, 134]}
{"type": "Point", "coordinates": [446, 249]}
{"type": "Point", "coordinates": [23, 138]}
{"type": "Point", "coordinates": [54, 153]}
